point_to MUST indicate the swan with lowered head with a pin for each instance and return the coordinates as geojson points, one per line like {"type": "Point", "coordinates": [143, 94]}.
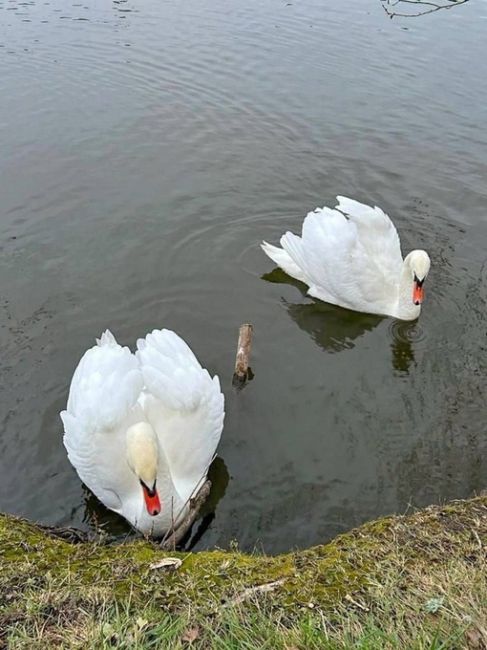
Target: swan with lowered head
{"type": "Point", "coordinates": [141, 429]}
{"type": "Point", "coordinates": [351, 257]}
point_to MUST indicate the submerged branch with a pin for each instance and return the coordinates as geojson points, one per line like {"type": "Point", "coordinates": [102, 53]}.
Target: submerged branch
{"type": "Point", "coordinates": [171, 540]}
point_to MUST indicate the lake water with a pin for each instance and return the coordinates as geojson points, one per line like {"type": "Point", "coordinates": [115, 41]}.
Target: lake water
{"type": "Point", "coordinates": [147, 147]}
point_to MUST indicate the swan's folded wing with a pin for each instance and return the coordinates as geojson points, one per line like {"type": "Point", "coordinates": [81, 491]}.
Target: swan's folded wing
{"type": "Point", "coordinates": [341, 270]}
{"type": "Point", "coordinates": [375, 232]}
{"type": "Point", "coordinates": [102, 397]}
{"type": "Point", "coordinates": [185, 405]}
{"type": "Point", "coordinates": [325, 252]}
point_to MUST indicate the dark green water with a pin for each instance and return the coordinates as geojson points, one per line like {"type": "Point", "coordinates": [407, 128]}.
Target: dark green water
{"type": "Point", "coordinates": [147, 147]}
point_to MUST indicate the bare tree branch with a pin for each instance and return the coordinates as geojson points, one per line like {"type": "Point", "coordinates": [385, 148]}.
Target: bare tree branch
{"type": "Point", "coordinates": [174, 536]}
{"type": "Point", "coordinates": [425, 7]}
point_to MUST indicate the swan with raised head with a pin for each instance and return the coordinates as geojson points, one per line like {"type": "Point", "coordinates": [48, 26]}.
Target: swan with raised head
{"type": "Point", "coordinates": [141, 429]}
{"type": "Point", "coordinates": [351, 257]}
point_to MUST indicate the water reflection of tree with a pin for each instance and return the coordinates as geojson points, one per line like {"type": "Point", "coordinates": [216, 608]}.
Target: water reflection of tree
{"type": "Point", "coordinates": [414, 8]}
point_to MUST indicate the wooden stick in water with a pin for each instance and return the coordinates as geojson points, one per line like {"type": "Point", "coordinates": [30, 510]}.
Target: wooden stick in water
{"type": "Point", "coordinates": [195, 504]}
{"type": "Point", "coordinates": [244, 346]}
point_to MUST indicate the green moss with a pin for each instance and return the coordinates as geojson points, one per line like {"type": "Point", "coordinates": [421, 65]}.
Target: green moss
{"type": "Point", "coordinates": [39, 571]}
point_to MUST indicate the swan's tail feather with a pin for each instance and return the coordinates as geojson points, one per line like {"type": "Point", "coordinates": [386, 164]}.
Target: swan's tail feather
{"type": "Point", "coordinates": [106, 338]}
{"type": "Point", "coordinates": [283, 260]}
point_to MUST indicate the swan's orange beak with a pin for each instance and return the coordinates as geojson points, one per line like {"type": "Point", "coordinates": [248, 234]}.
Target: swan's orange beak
{"type": "Point", "coordinates": [418, 292]}
{"type": "Point", "coordinates": [152, 502]}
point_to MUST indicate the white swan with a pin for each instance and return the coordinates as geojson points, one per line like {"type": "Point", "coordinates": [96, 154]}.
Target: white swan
{"type": "Point", "coordinates": [141, 429]}
{"type": "Point", "coordinates": [351, 257]}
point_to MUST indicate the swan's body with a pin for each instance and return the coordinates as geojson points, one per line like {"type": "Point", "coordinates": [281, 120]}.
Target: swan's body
{"type": "Point", "coordinates": [141, 429]}
{"type": "Point", "coordinates": [351, 257]}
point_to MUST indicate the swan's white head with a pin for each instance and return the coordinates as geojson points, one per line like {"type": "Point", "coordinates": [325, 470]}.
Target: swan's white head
{"type": "Point", "coordinates": [143, 459]}
{"type": "Point", "coordinates": [419, 263]}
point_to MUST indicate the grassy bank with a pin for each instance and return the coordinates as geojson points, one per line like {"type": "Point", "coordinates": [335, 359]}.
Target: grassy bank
{"type": "Point", "coordinates": [418, 581]}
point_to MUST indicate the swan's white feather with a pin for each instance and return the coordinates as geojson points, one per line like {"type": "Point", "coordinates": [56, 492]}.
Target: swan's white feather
{"type": "Point", "coordinates": [184, 405]}
{"type": "Point", "coordinates": [376, 232]}
{"type": "Point", "coordinates": [283, 261]}
{"type": "Point", "coordinates": [102, 403]}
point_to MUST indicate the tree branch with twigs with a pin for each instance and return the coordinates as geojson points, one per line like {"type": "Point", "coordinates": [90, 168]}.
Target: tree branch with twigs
{"type": "Point", "coordinates": [395, 8]}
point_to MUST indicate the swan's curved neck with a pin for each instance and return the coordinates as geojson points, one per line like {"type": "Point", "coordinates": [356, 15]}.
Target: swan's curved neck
{"type": "Point", "coordinates": [143, 451]}
{"type": "Point", "coordinates": [147, 460]}
{"type": "Point", "coordinates": [406, 309]}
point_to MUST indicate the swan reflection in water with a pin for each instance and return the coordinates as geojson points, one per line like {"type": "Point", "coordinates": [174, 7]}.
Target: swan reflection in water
{"type": "Point", "coordinates": [97, 516]}
{"type": "Point", "coordinates": [404, 334]}
{"type": "Point", "coordinates": [334, 329]}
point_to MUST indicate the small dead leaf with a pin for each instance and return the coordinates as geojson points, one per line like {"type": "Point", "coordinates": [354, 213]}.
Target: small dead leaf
{"type": "Point", "coordinates": [191, 634]}
{"type": "Point", "coordinates": [475, 639]}
{"type": "Point", "coordinates": [141, 623]}
{"type": "Point", "coordinates": [169, 563]}
{"type": "Point", "coordinates": [109, 632]}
